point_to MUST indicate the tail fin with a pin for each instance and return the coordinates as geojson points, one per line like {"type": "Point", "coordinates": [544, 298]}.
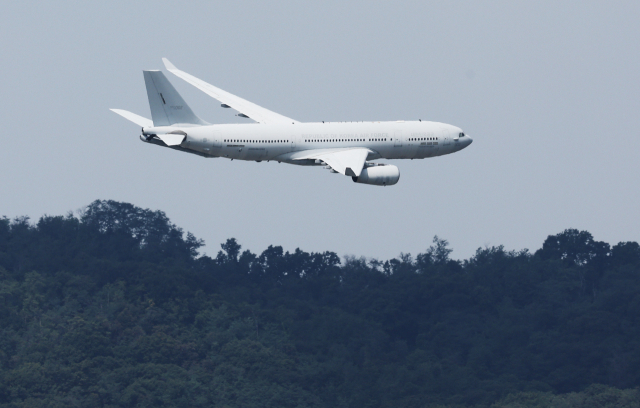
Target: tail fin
{"type": "Point", "coordinates": [167, 106]}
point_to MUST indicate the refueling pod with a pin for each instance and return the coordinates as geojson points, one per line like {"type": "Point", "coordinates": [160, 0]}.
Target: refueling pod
{"type": "Point", "coordinates": [379, 175]}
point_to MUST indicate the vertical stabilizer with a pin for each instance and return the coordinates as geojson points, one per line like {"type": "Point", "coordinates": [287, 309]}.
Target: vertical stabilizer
{"type": "Point", "coordinates": [167, 106]}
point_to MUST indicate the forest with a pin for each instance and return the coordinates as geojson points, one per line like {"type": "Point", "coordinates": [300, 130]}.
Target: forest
{"type": "Point", "coordinates": [114, 306]}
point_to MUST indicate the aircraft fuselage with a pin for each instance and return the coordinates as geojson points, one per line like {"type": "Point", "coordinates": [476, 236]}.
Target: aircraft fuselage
{"type": "Point", "coordinates": [257, 142]}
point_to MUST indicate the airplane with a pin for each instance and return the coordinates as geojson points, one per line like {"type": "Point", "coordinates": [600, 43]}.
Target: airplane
{"type": "Point", "coordinates": [346, 148]}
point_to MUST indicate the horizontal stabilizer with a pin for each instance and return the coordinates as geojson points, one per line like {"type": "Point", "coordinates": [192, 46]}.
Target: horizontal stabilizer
{"type": "Point", "coordinates": [171, 139]}
{"type": "Point", "coordinates": [137, 119]}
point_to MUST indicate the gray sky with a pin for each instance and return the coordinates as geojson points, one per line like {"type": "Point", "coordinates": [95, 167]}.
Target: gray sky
{"type": "Point", "coordinates": [548, 90]}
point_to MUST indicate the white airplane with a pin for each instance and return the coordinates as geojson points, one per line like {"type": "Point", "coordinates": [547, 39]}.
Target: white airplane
{"type": "Point", "coordinates": [340, 147]}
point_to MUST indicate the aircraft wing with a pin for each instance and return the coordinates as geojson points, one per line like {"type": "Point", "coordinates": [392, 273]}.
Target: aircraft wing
{"type": "Point", "coordinates": [244, 107]}
{"type": "Point", "coordinates": [345, 161]}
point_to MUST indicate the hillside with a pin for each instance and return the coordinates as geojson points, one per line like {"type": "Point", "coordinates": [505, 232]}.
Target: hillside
{"type": "Point", "coordinates": [115, 308]}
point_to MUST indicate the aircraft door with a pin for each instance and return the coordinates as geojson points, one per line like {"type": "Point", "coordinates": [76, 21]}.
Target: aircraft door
{"type": "Point", "coordinates": [446, 140]}
{"type": "Point", "coordinates": [216, 143]}
{"type": "Point", "coordinates": [397, 141]}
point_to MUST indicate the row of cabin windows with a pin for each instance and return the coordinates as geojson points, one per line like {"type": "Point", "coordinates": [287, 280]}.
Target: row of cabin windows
{"type": "Point", "coordinates": [343, 140]}
{"type": "Point", "coordinates": [254, 141]}
{"type": "Point", "coordinates": [414, 139]}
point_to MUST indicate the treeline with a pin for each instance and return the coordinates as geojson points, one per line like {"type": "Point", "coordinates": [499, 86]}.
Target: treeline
{"type": "Point", "coordinates": [114, 307]}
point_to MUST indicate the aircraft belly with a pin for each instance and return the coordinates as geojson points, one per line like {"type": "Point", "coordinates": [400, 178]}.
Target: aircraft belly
{"type": "Point", "coordinates": [255, 153]}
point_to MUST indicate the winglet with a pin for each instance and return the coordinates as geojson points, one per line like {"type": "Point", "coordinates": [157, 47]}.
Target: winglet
{"type": "Point", "coordinates": [168, 65]}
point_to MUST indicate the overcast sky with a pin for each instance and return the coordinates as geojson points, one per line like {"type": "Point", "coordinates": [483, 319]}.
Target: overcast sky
{"type": "Point", "coordinates": [549, 91]}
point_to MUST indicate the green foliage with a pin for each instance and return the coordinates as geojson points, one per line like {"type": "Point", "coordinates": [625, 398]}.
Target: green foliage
{"type": "Point", "coordinates": [595, 396]}
{"type": "Point", "coordinates": [114, 308]}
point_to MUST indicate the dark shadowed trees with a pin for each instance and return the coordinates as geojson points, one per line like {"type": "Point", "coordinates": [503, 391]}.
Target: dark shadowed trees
{"type": "Point", "coordinates": [114, 307]}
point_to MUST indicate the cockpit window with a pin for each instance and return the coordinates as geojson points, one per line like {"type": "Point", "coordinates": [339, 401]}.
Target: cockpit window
{"type": "Point", "coordinates": [461, 135]}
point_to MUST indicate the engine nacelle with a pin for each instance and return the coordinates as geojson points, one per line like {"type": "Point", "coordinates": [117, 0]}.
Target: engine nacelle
{"type": "Point", "coordinates": [381, 175]}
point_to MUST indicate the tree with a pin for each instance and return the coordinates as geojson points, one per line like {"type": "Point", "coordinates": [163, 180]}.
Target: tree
{"type": "Point", "coordinates": [114, 307]}
{"type": "Point", "coordinates": [574, 247]}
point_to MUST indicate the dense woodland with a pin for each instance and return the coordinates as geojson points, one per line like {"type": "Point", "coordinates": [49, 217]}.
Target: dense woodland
{"type": "Point", "coordinates": [114, 307]}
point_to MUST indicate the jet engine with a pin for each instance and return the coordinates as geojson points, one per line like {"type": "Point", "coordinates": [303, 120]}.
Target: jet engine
{"type": "Point", "coordinates": [379, 175]}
